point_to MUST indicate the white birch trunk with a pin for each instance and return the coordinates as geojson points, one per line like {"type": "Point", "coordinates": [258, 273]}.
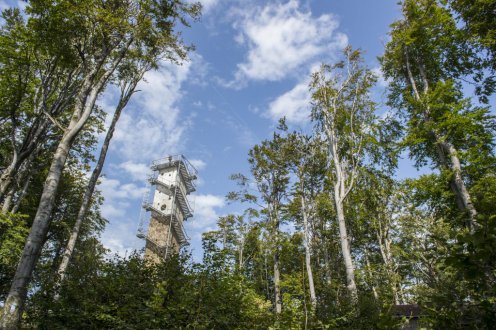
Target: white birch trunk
{"type": "Point", "coordinates": [7, 202]}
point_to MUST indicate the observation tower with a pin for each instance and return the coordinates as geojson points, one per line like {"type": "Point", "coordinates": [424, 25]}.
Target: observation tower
{"type": "Point", "coordinates": [162, 216]}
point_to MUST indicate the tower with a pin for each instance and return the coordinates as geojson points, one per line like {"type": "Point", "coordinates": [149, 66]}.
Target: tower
{"type": "Point", "coordinates": [173, 178]}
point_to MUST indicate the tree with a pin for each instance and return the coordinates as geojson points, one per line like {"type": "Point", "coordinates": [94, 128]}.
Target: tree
{"type": "Point", "coordinates": [268, 166]}
{"type": "Point", "coordinates": [128, 82]}
{"type": "Point", "coordinates": [103, 41]}
{"type": "Point", "coordinates": [479, 33]}
{"type": "Point", "coordinates": [441, 125]}
{"type": "Point", "coordinates": [343, 115]}
{"type": "Point", "coordinates": [307, 162]}
{"type": "Point", "coordinates": [426, 61]}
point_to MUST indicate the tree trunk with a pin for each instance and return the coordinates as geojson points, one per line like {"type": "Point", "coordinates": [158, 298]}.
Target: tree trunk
{"type": "Point", "coordinates": [445, 148]}
{"type": "Point", "coordinates": [14, 304]}
{"type": "Point", "coordinates": [460, 188]}
{"type": "Point", "coordinates": [311, 286]}
{"type": "Point", "coordinates": [240, 253]}
{"type": "Point", "coordinates": [126, 93]}
{"type": "Point", "coordinates": [29, 145]}
{"type": "Point", "coordinates": [277, 281]}
{"type": "Point", "coordinates": [371, 276]}
{"type": "Point", "coordinates": [384, 242]}
{"type": "Point", "coordinates": [345, 248]}
{"type": "Point", "coordinates": [7, 177]}
{"type": "Point", "coordinates": [23, 192]}
{"type": "Point", "coordinates": [7, 202]}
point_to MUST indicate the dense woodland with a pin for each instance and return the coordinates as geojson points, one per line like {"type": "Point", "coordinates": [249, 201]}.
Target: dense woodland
{"type": "Point", "coordinates": [328, 239]}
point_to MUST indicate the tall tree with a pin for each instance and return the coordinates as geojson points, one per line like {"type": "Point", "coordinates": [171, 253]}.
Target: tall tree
{"type": "Point", "coordinates": [110, 32]}
{"type": "Point", "coordinates": [344, 114]}
{"type": "Point", "coordinates": [306, 161]}
{"type": "Point", "coordinates": [478, 27]}
{"type": "Point", "coordinates": [441, 125]}
{"type": "Point", "coordinates": [268, 166]}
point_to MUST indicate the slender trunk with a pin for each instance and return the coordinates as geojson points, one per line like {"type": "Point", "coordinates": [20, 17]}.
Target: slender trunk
{"type": "Point", "coordinates": [339, 195]}
{"type": "Point", "coordinates": [36, 134]}
{"type": "Point", "coordinates": [7, 177]}
{"type": "Point", "coordinates": [88, 194]}
{"type": "Point", "coordinates": [277, 281]}
{"type": "Point", "coordinates": [327, 267]}
{"type": "Point", "coordinates": [384, 242]}
{"type": "Point", "coordinates": [461, 189]}
{"type": "Point", "coordinates": [345, 245]}
{"type": "Point", "coordinates": [266, 268]}
{"type": "Point", "coordinates": [240, 253]}
{"type": "Point", "coordinates": [325, 248]}
{"type": "Point", "coordinates": [29, 145]}
{"type": "Point", "coordinates": [14, 304]}
{"type": "Point", "coordinates": [371, 276]}
{"type": "Point", "coordinates": [7, 202]}
{"type": "Point", "coordinates": [311, 287]}
{"type": "Point", "coordinates": [23, 171]}
{"type": "Point", "coordinates": [23, 193]}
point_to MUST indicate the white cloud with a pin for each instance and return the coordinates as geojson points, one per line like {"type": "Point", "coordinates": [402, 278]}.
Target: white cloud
{"type": "Point", "coordinates": [282, 38]}
{"type": "Point", "coordinates": [205, 213]}
{"type": "Point", "coordinates": [137, 171]}
{"type": "Point", "coordinates": [154, 126]}
{"type": "Point", "coordinates": [121, 239]}
{"type": "Point", "coordinates": [113, 189]}
{"type": "Point", "coordinates": [120, 200]}
{"type": "Point", "coordinates": [118, 196]}
{"type": "Point", "coordinates": [294, 105]}
{"type": "Point", "coordinates": [381, 81]}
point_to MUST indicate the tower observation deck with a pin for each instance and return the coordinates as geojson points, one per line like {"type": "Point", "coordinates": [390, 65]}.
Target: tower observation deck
{"type": "Point", "coordinates": [173, 180]}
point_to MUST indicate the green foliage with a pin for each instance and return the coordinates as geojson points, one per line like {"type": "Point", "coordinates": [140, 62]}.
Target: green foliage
{"type": "Point", "coordinates": [13, 232]}
{"type": "Point", "coordinates": [410, 243]}
{"type": "Point", "coordinates": [129, 293]}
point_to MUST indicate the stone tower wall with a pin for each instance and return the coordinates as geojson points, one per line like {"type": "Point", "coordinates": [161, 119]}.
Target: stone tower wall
{"type": "Point", "coordinates": [158, 230]}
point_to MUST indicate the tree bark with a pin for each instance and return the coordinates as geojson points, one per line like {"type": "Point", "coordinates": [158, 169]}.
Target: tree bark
{"type": "Point", "coordinates": [7, 202]}
{"type": "Point", "coordinates": [311, 286]}
{"type": "Point", "coordinates": [340, 191]}
{"type": "Point", "coordinates": [444, 148]}
{"type": "Point", "coordinates": [277, 274]}
{"type": "Point", "coordinates": [126, 94]}
{"type": "Point", "coordinates": [371, 276]}
{"type": "Point", "coordinates": [345, 249]}
{"type": "Point", "coordinates": [23, 192]}
{"type": "Point", "coordinates": [14, 304]}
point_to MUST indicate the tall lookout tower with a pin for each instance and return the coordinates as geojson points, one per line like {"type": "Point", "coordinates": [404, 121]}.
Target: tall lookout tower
{"type": "Point", "coordinates": [173, 178]}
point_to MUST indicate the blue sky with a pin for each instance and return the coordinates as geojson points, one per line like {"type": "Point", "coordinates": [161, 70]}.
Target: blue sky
{"type": "Point", "coordinates": [250, 67]}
